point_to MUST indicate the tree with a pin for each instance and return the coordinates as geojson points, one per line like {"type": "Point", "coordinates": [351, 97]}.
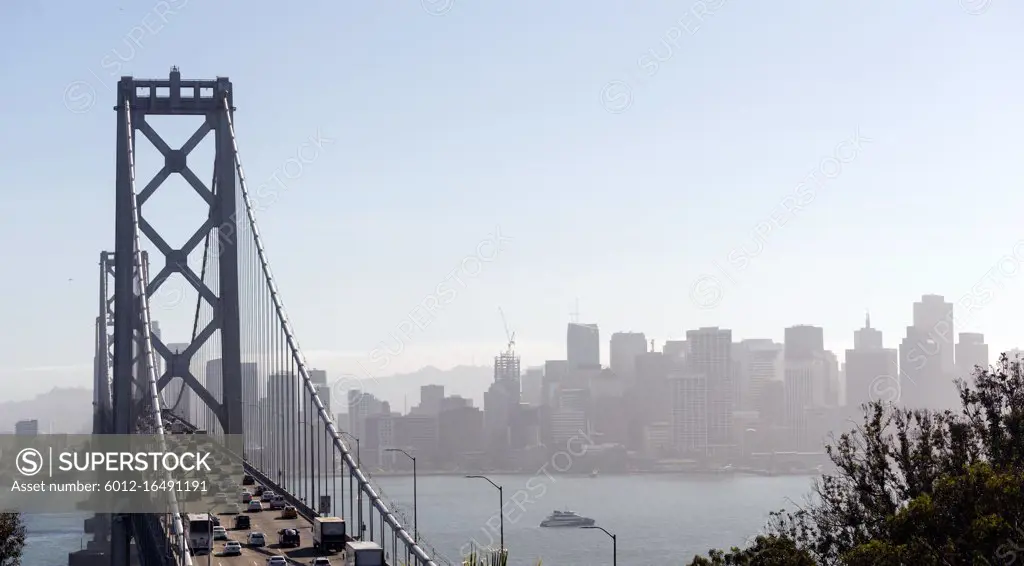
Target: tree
{"type": "Point", "coordinates": [916, 486]}
{"type": "Point", "coordinates": [765, 551]}
{"type": "Point", "coordinates": [12, 539]}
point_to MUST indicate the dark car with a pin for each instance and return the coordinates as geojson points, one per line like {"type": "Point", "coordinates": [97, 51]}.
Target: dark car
{"type": "Point", "coordinates": [258, 492]}
{"type": "Point", "coordinates": [247, 480]}
{"type": "Point", "coordinates": [288, 537]}
{"type": "Point", "coordinates": [242, 522]}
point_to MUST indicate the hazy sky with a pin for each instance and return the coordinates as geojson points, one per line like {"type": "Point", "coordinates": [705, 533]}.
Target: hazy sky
{"type": "Point", "coordinates": [444, 127]}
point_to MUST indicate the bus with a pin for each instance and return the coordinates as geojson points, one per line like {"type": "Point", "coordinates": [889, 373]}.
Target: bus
{"type": "Point", "coordinates": [199, 527]}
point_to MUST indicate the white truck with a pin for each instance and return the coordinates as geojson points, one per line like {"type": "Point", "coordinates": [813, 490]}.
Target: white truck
{"type": "Point", "coordinates": [329, 534]}
{"type": "Point", "coordinates": [362, 553]}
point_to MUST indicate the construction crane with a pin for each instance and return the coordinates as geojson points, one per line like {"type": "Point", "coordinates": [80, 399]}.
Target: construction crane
{"type": "Point", "coordinates": [511, 336]}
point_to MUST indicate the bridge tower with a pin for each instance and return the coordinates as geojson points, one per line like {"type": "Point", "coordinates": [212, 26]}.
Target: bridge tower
{"type": "Point", "coordinates": [136, 100]}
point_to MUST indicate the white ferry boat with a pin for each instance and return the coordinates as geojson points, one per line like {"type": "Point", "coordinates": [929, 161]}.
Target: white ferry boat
{"type": "Point", "coordinates": [566, 519]}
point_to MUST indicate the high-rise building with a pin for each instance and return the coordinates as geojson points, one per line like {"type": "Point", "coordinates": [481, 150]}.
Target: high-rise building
{"type": "Point", "coordinates": [532, 385]}
{"type": "Point", "coordinates": [431, 397]}
{"type": "Point", "coordinates": [830, 387]}
{"type": "Point", "coordinates": [804, 342]}
{"type": "Point", "coordinates": [623, 349]}
{"type": "Point", "coordinates": [460, 431]}
{"type": "Point", "coordinates": [756, 362]}
{"type": "Point", "coordinates": [284, 419]}
{"type": "Point", "coordinates": [569, 416]}
{"type": "Point", "coordinates": [215, 386]}
{"type": "Point", "coordinates": [867, 338]}
{"type": "Point", "coordinates": [583, 346]}
{"type": "Point", "coordinates": [971, 351]}
{"type": "Point", "coordinates": [689, 422]}
{"type": "Point", "coordinates": [801, 377]}
{"type": "Point", "coordinates": [806, 378]}
{"type": "Point", "coordinates": [361, 406]}
{"type": "Point", "coordinates": [555, 372]}
{"type": "Point", "coordinates": [501, 403]}
{"type": "Point", "coordinates": [927, 356]}
{"type": "Point", "coordinates": [872, 371]}
{"type": "Point", "coordinates": [318, 376]}
{"type": "Point", "coordinates": [710, 355]}
{"type": "Point", "coordinates": [250, 402]}
{"type": "Point", "coordinates": [26, 428]}
{"type": "Point", "coordinates": [176, 394]}
{"type": "Point", "coordinates": [675, 349]}
{"type": "Point", "coordinates": [934, 316]}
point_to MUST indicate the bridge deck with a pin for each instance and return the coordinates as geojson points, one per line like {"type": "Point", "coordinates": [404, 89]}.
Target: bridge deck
{"type": "Point", "coordinates": [269, 523]}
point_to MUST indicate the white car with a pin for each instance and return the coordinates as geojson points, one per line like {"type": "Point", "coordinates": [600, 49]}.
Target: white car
{"type": "Point", "coordinates": [320, 562]}
{"type": "Point", "coordinates": [220, 533]}
{"type": "Point", "coordinates": [277, 561]}
{"type": "Point", "coordinates": [255, 506]}
{"type": "Point", "coordinates": [232, 549]}
{"type": "Point", "coordinates": [256, 539]}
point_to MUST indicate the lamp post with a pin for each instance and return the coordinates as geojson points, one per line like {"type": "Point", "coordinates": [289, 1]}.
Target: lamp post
{"type": "Point", "coordinates": [359, 491]}
{"type": "Point", "coordinates": [615, 550]}
{"type": "Point", "coordinates": [501, 506]}
{"type": "Point", "coordinates": [359, 459]}
{"type": "Point", "coordinates": [415, 519]}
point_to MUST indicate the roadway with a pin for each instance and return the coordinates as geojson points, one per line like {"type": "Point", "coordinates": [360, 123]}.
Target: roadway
{"type": "Point", "coordinates": [267, 522]}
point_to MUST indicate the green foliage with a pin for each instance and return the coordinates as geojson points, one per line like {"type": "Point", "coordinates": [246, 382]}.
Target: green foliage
{"type": "Point", "coordinates": [913, 487]}
{"type": "Point", "coordinates": [766, 551]}
{"type": "Point", "coordinates": [12, 539]}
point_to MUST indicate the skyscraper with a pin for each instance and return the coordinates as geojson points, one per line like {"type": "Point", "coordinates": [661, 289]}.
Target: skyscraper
{"type": "Point", "coordinates": [934, 316]}
{"type": "Point", "coordinates": [926, 356]}
{"type": "Point", "coordinates": [710, 356]}
{"type": "Point", "coordinates": [583, 346]}
{"type": "Point", "coordinates": [501, 403]}
{"type": "Point", "coordinates": [318, 376]}
{"type": "Point", "coordinates": [804, 342]}
{"type": "Point", "coordinates": [971, 351]}
{"type": "Point", "coordinates": [622, 352]}
{"type": "Point", "coordinates": [757, 361]}
{"type": "Point", "coordinates": [806, 375]}
{"type": "Point", "coordinates": [867, 338]}
{"type": "Point", "coordinates": [178, 396]}
{"type": "Point", "coordinates": [871, 370]}
{"type": "Point", "coordinates": [284, 419]}
{"type": "Point", "coordinates": [689, 418]}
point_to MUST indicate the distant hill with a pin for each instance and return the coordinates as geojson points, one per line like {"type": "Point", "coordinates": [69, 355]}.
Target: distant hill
{"type": "Point", "coordinates": [467, 381]}
{"type": "Point", "coordinates": [61, 410]}
{"type": "Point", "coordinates": [69, 410]}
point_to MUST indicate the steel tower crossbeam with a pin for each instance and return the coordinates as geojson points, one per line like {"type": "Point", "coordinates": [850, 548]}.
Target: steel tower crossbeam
{"type": "Point", "coordinates": [194, 98]}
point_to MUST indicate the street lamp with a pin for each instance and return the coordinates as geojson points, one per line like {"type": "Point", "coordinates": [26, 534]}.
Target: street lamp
{"type": "Point", "coordinates": [501, 506]}
{"type": "Point", "coordinates": [415, 519]}
{"type": "Point", "coordinates": [615, 550]}
{"type": "Point", "coordinates": [359, 492]}
{"type": "Point", "coordinates": [359, 459]}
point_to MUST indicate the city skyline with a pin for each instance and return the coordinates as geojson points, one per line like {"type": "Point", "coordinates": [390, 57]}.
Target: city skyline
{"type": "Point", "coordinates": [622, 211]}
{"type": "Point", "coordinates": [356, 370]}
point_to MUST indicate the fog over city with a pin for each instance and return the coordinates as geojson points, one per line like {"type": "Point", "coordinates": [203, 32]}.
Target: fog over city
{"type": "Point", "coordinates": [591, 253]}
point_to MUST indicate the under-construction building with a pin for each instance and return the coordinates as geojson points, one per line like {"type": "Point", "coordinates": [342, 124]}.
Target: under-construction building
{"type": "Point", "coordinates": [501, 403]}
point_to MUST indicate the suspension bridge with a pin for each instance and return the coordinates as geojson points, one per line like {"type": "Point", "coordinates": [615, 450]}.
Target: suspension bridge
{"type": "Point", "coordinates": [242, 363]}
